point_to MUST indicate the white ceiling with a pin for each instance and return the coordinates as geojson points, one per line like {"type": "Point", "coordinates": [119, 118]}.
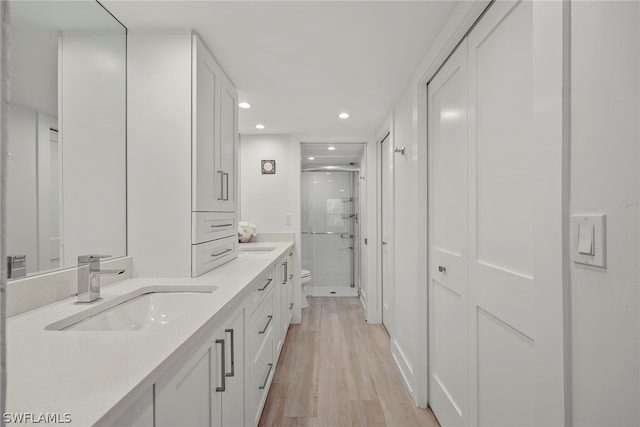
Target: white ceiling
{"type": "Point", "coordinates": [300, 63]}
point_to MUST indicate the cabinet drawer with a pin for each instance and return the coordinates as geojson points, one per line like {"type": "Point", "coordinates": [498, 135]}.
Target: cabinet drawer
{"type": "Point", "coordinates": [261, 287]}
{"type": "Point", "coordinates": [207, 256]}
{"type": "Point", "coordinates": [208, 226]}
{"type": "Point", "coordinates": [259, 331]}
{"type": "Point", "coordinates": [264, 370]}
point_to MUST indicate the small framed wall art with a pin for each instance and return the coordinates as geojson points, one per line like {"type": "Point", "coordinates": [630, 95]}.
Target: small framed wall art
{"type": "Point", "coordinates": [268, 167]}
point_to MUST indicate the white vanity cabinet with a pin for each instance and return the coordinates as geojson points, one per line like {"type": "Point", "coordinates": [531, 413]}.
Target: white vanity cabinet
{"type": "Point", "coordinates": [182, 156]}
{"type": "Point", "coordinates": [224, 379]}
{"type": "Point", "coordinates": [206, 388]}
{"type": "Point", "coordinates": [215, 139]}
{"type": "Point", "coordinates": [186, 395]}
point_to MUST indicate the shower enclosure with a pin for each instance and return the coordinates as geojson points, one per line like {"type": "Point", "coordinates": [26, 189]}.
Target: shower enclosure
{"type": "Point", "coordinates": [330, 231]}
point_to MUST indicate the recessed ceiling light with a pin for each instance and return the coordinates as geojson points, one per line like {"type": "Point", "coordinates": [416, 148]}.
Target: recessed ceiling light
{"type": "Point", "coordinates": [331, 148]}
{"type": "Point", "coordinates": [341, 190]}
{"type": "Point", "coordinates": [244, 105]}
{"type": "Point", "coordinates": [312, 158]}
{"type": "Point", "coordinates": [329, 181]}
{"type": "Point", "coordinates": [343, 115]}
{"type": "Point", "coordinates": [259, 126]}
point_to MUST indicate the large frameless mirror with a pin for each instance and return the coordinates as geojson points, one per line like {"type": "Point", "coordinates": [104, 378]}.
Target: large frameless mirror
{"type": "Point", "coordinates": [66, 128]}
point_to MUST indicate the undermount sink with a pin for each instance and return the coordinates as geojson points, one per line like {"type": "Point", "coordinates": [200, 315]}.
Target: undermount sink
{"type": "Point", "coordinates": [257, 248]}
{"type": "Point", "coordinates": [147, 307]}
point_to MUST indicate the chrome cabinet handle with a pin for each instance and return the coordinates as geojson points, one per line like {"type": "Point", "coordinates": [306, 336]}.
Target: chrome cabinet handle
{"type": "Point", "coordinates": [227, 186]}
{"type": "Point", "coordinates": [221, 185]}
{"type": "Point", "coordinates": [265, 286]}
{"type": "Point", "coordinates": [266, 326]}
{"type": "Point", "coordinates": [222, 367]}
{"type": "Point", "coordinates": [264, 384]}
{"type": "Point", "coordinates": [221, 225]}
{"type": "Point", "coordinates": [233, 357]}
{"type": "Point", "coordinates": [442, 269]}
{"type": "Point", "coordinates": [221, 253]}
{"type": "Point", "coordinates": [284, 264]}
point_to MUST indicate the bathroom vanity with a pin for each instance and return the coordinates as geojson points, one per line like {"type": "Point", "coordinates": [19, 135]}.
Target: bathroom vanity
{"type": "Point", "coordinates": [209, 364]}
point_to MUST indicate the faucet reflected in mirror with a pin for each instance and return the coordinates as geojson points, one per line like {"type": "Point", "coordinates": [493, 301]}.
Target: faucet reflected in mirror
{"type": "Point", "coordinates": [66, 107]}
{"type": "Point", "coordinates": [89, 273]}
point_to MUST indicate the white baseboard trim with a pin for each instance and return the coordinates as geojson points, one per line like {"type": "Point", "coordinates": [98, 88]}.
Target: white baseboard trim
{"type": "Point", "coordinates": [405, 368]}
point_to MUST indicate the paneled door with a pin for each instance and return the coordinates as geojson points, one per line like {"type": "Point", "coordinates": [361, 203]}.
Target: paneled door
{"type": "Point", "coordinates": [448, 255]}
{"type": "Point", "coordinates": [496, 242]}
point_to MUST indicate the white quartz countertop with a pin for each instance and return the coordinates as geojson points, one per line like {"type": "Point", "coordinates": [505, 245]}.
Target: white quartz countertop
{"type": "Point", "coordinates": [93, 376]}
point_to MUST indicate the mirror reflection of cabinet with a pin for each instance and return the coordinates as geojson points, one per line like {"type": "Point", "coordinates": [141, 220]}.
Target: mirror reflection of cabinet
{"type": "Point", "coordinates": [66, 180]}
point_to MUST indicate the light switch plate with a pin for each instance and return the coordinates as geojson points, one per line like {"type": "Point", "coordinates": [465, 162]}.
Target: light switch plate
{"type": "Point", "coordinates": [599, 244]}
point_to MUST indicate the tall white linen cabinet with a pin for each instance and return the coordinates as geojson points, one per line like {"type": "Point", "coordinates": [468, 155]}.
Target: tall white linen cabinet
{"type": "Point", "coordinates": [182, 157]}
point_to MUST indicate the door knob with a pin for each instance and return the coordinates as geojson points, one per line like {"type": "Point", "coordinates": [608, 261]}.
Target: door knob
{"type": "Point", "coordinates": [442, 269]}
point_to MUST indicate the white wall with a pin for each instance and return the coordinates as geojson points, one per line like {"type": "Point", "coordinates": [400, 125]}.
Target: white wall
{"type": "Point", "coordinates": [605, 303]}
{"type": "Point", "coordinates": [92, 73]}
{"type": "Point", "coordinates": [159, 153]}
{"type": "Point", "coordinates": [266, 199]}
{"type": "Point", "coordinates": [405, 339]}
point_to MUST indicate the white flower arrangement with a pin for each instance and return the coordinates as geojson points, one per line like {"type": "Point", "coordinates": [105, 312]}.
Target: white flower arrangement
{"type": "Point", "coordinates": [246, 230]}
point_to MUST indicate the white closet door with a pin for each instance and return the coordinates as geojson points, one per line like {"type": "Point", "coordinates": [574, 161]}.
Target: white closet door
{"type": "Point", "coordinates": [448, 287]}
{"type": "Point", "coordinates": [505, 236]}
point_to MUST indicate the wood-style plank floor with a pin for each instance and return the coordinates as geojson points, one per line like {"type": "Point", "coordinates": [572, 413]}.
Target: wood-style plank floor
{"type": "Point", "coordinates": [337, 370]}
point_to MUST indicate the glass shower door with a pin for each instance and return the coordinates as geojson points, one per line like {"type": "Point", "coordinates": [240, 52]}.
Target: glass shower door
{"type": "Point", "coordinates": [328, 220]}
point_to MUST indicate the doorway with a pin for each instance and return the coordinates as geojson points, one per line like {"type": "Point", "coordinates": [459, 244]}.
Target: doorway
{"type": "Point", "coordinates": [387, 203]}
{"type": "Point", "coordinates": [330, 218]}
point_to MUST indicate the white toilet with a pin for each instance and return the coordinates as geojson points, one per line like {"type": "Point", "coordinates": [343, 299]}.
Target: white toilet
{"type": "Point", "coordinates": [305, 279]}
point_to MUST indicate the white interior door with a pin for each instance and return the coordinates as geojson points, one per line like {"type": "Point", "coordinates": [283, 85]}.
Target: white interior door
{"type": "Point", "coordinates": [387, 234]}
{"type": "Point", "coordinates": [448, 252]}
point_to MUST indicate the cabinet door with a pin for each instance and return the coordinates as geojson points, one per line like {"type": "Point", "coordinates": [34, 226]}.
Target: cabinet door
{"type": "Point", "coordinates": [233, 396]}
{"type": "Point", "coordinates": [228, 147]}
{"type": "Point", "coordinates": [207, 186]}
{"type": "Point", "coordinates": [140, 414]}
{"type": "Point", "coordinates": [185, 395]}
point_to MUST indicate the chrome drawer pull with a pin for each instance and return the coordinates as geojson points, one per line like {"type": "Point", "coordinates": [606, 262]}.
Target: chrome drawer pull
{"type": "Point", "coordinates": [222, 367]}
{"type": "Point", "coordinates": [266, 326]}
{"type": "Point", "coordinates": [265, 286]}
{"type": "Point", "coordinates": [221, 253]}
{"type": "Point", "coordinates": [232, 373]}
{"type": "Point", "coordinates": [226, 198]}
{"type": "Point", "coordinates": [221, 185]}
{"type": "Point", "coordinates": [264, 384]}
{"type": "Point", "coordinates": [220, 225]}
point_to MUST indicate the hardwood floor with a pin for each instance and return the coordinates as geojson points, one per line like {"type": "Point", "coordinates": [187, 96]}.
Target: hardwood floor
{"type": "Point", "coordinates": [337, 370]}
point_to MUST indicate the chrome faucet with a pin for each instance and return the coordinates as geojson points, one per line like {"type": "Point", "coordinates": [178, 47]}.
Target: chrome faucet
{"type": "Point", "coordinates": [89, 273]}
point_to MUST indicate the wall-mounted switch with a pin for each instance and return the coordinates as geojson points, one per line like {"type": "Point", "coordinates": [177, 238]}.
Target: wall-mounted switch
{"type": "Point", "coordinates": [588, 239]}
{"type": "Point", "coordinates": [585, 239]}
